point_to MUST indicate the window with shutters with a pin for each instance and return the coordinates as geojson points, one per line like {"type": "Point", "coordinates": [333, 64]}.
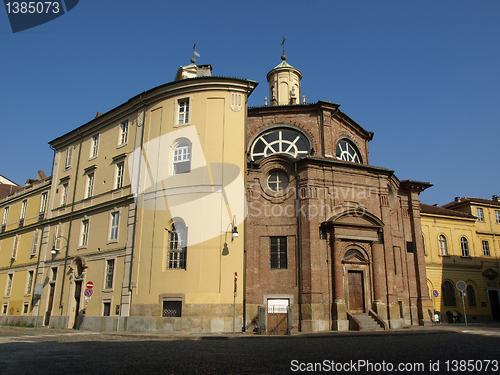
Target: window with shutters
{"type": "Point", "coordinates": [110, 269]}
{"type": "Point", "coordinates": [8, 284]}
{"type": "Point", "coordinates": [15, 246]}
{"type": "Point", "coordinates": [35, 243]}
{"type": "Point", "coordinates": [29, 282]}
{"type": "Point", "coordinates": [69, 157]}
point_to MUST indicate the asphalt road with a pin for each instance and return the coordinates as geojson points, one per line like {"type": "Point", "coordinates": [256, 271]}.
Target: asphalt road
{"type": "Point", "coordinates": [41, 351]}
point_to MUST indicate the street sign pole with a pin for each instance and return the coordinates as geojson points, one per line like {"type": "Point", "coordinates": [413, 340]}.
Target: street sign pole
{"type": "Point", "coordinates": [462, 286]}
{"type": "Point", "coordinates": [234, 300]}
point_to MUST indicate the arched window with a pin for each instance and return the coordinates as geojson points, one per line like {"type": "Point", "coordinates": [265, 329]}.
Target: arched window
{"type": "Point", "coordinates": [182, 158]}
{"type": "Point", "coordinates": [464, 244]}
{"type": "Point", "coordinates": [280, 141]}
{"type": "Point", "coordinates": [177, 247]}
{"type": "Point", "coordinates": [346, 150]}
{"type": "Point", "coordinates": [448, 292]}
{"type": "Point", "coordinates": [471, 296]}
{"type": "Point", "coordinates": [443, 246]}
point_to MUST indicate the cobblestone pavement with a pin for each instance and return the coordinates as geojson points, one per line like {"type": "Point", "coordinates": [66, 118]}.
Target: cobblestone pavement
{"type": "Point", "coordinates": [419, 350]}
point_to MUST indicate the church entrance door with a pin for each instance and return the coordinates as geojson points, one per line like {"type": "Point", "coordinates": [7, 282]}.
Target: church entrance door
{"type": "Point", "coordinates": [356, 291]}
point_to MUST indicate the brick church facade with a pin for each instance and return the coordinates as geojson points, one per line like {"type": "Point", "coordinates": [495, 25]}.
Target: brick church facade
{"type": "Point", "coordinates": [329, 236]}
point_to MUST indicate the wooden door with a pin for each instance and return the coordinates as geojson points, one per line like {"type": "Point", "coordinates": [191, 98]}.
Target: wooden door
{"type": "Point", "coordinates": [51, 302]}
{"type": "Point", "coordinates": [78, 293]}
{"type": "Point", "coordinates": [356, 291]}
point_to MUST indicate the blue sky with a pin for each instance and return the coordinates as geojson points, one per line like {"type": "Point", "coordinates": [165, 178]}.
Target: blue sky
{"type": "Point", "coordinates": [422, 75]}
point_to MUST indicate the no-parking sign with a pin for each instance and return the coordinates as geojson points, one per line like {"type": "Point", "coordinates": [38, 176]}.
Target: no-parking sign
{"type": "Point", "coordinates": [435, 293]}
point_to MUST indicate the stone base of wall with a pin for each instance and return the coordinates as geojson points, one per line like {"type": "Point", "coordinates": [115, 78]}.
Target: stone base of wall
{"type": "Point", "coordinates": [21, 321]}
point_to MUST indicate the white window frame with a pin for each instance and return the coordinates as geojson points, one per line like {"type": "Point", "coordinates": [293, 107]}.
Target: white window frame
{"type": "Point", "coordinates": [176, 252]}
{"type": "Point", "coordinates": [5, 215]}
{"type": "Point", "coordinates": [114, 227]}
{"type": "Point", "coordinates": [94, 146]}
{"type": "Point", "coordinates": [497, 216]}
{"type": "Point", "coordinates": [123, 133]}
{"type": "Point", "coordinates": [84, 233]}
{"type": "Point", "coordinates": [486, 249]}
{"type": "Point", "coordinates": [89, 189]}
{"type": "Point", "coordinates": [35, 242]}
{"type": "Point", "coordinates": [106, 265]}
{"type": "Point", "coordinates": [181, 154]}
{"type": "Point", "coordinates": [443, 250]}
{"type": "Point", "coordinates": [26, 304]}
{"type": "Point", "coordinates": [464, 246]}
{"type": "Point", "coordinates": [15, 246]}
{"type": "Point", "coordinates": [43, 203]}
{"type": "Point", "coordinates": [24, 206]}
{"type": "Point", "coordinates": [480, 214]}
{"type": "Point", "coordinates": [69, 157]}
{"type": "Point", "coordinates": [119, 174]}
{"type": "Point", "coordinates": [183, 112]}
{"type": "Point", "coordinates": [64, 193]}
{"type": "Point", "coordinates": [57, 236]}
{"type": "Point", "coordinates": [8, 284]}
{"type": "Point", "coordinates": [29, 282]}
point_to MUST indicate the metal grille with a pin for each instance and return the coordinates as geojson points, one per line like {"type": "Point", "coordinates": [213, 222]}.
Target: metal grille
{"type": "Point", "coordinates": [172, 309]}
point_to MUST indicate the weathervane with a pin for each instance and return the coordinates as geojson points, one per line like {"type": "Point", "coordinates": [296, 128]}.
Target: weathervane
{"type": "Point", "coordinates": [193, 60]}
{"type": "Point", "coordinates": [283, 57]}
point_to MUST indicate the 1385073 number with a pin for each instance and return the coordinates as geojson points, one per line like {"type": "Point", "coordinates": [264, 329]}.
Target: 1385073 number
{"type": "Point", "coordinates": [471, 365]}
{"type": "Point", "coordinates": [33, 7]}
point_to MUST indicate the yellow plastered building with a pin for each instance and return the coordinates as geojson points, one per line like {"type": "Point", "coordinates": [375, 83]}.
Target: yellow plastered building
{"type": "Point", "coordinates": [461, 244]}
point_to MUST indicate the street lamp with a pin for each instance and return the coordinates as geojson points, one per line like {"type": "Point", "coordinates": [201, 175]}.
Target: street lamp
{"type": "Point", "coordinates": [55, 251]}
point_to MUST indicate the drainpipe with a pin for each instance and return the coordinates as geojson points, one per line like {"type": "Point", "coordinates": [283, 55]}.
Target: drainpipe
{"type": "Point", "coordinates": [70, 221]}
{"type": "Point", "coordinates": [136, 206]}
{"type": "Point", "coordinates": [322, 129]}
{"type": "Point", "coordinates": [299, 240]}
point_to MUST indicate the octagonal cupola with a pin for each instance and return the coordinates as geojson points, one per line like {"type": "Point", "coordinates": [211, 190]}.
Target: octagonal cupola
{"type": "Point", "coordinates": [284, 84]}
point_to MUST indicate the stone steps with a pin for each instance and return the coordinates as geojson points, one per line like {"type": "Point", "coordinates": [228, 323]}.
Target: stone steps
{"type": "Point", "coordinates": [368, 323]}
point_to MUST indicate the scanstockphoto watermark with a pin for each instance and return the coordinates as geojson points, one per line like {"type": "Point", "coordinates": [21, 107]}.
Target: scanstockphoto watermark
{"type": "Point", "coordinates": [25, 15]}
{"type": "Point", "coordinates": [367, 366]}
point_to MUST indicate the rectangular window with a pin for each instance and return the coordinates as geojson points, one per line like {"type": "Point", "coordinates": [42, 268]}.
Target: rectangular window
{"type": "Point", "coordinates": [409, 247]}
{"type": "Point", "coordinates": [119, 175]}
{"type": "Point", "coordinates": [24, 204]}
{"type": "Point", "coordinates": [182, 159]}
{"type": "Point", "coordinates": [110, 269]}
{"type": "Point", "coordinates": [183, 111]}
{"type": "Point", "coordinates": [94, 146]}
{"type": "Point", "coordinates": [69, 157]}
{"type": "Point", "coordinates": [26, 307]}
{"type": "Point", "coordinates": [172, 309]}
{"type": "Point", "coordinates": [5, 307]}
{"type": "Point", "coordinates": [64, 194]}
{"type": "Point", "coordinates": [480, 214]}
{"type": "Point", "coordinates": [4, 219]}
{"type": "Point", "coordinates": [84, 234]}
{"type": "Point", "coordinates": [35, 243]}
{"type": "Point", "coordinates": [90, 185]}
{"type": "Point", "coordinates": [497, 216]}
{"type": "Point", "coordinates": [113, 233]}
{"type": "Point", "coordinates": [177, 250]}
{"type": "Point", "coordinates": [54, 274]}
{"type": "Point", "coordinates": [8, 285]}
{"type": "Point", "coordinates": [29, 282]}
{"type": "Point", "coordinates": [15, 245]}
{"type": "Point", "coordinates": [43, 205]}
{"type": "Point", "coordinates": [123, 136]}
{"type": "Point", "coordinates": [396, 252]}
{"type": "Point", "coordinates": [486, 248]}
{"type": "Point", "coordinates": [106, 308]}
{"type": "Point", "coordinates": [279, 253]}
{"type": "Point", "coordinates": [57, 237]}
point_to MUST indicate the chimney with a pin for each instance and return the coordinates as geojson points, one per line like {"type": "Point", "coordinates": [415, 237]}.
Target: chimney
{"type": "Point", "coordinates": [496, 198]}
{"type": "Point", "coordinates": [457, 199]}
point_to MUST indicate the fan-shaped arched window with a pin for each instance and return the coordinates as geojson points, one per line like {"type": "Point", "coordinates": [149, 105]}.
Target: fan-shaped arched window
{"type": "Point", "coordinates": [280, 141]}
{"type": "Point", "coordinates": [443, 246]}
{"type": "Point", "coordinates": [347, 150]}
{"type": "Point", "coordinates": [448, 291]}
{"type": "Point", "coordinates": [464, 244]}
{"type": "Point", "coordinates": [181, 158]}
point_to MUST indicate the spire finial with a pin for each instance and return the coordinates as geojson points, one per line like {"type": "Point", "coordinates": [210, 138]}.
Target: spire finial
{"type": "Point", "coordinates": [193, 60]}
{"type": "Point", "coordinates": [283, 57]}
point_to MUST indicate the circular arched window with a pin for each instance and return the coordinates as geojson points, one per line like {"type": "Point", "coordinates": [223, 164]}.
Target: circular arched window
{"type": "Point", "coordinates": [277, 181]}
{"type": "Point", "coordinates": [346, 150]}
{"type": "Point", "coordinates": [280, 141]}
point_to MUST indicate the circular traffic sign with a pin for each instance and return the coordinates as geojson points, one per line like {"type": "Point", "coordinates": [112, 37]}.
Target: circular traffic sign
{"type": "Point", "coordinates": [88, 292]}
{"type": "Point", "coordinates": [90, 284]}
{"type": "Point", "coordinates": [461, 285]}
{"type": "Point", "coordinates": [435, 293]}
